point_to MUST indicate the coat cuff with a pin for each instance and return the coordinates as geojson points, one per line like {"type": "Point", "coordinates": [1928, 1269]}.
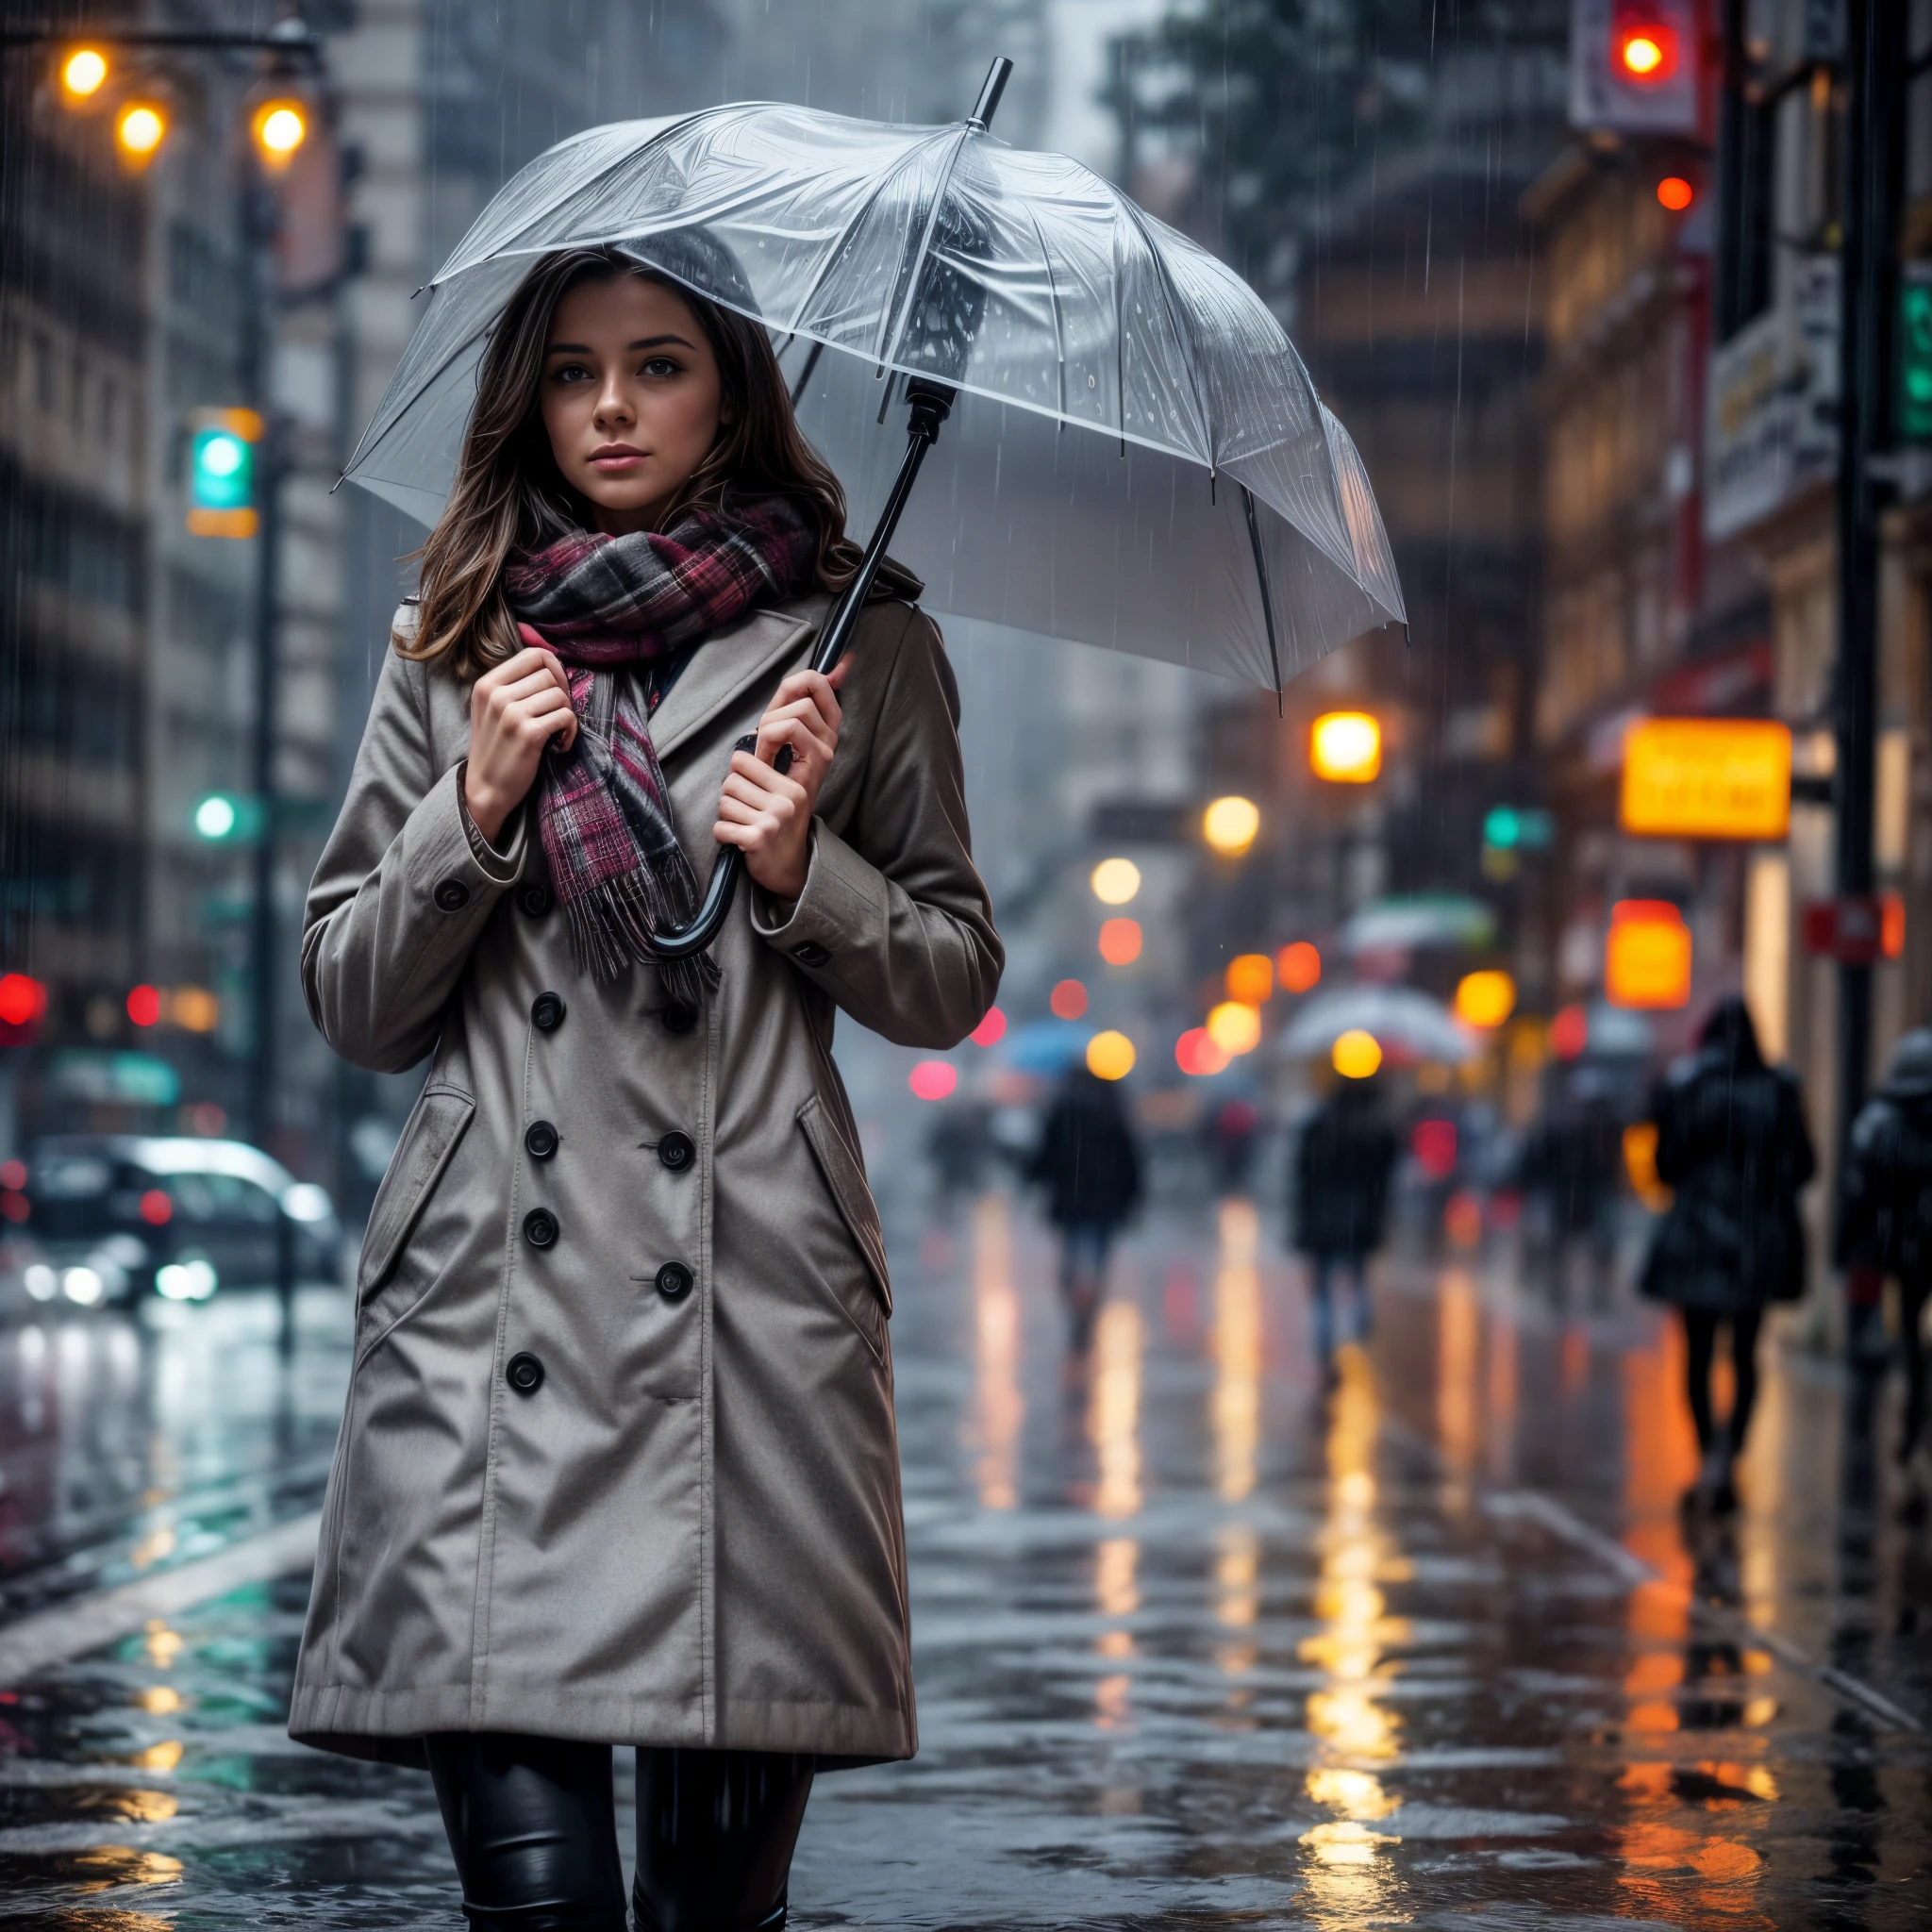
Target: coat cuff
{"type": "Point", "coordinates": [500, 864]}
{"type": "Point", "coordinates": [452, 873]}
{"type": "Point", "coordinates": [841, 908]}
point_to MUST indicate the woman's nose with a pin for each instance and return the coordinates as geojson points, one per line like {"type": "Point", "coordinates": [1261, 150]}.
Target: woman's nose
{"type": "Point", "coordinates": [613, 406]}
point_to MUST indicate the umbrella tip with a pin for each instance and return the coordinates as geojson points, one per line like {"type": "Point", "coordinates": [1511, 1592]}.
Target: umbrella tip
{"type": "Point", "coordinates": [987, 103]}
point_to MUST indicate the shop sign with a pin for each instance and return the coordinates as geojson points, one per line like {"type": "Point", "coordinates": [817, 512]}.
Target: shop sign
{"type": "Point", "coordinates": [1855, 931]}
{"type": "Point", "coordinates": [1708, 778]}
{"type": "Point", "coordinates": [1647, 956]}
{"type": "Point", "coordinates": [1771, 429]}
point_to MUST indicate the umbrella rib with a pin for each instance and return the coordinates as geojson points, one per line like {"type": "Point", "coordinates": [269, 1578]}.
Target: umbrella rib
{"type": "Point", "coordinates": [1053, 296]}
{"type": "Point", "coordinates": [1169, 305]}
{"type": "Point", "coordinates": [1267, 599]}
{"type": "Point", "coordinates": [859, 214]}
{"type": "Point", "coordinates": [890, 346]}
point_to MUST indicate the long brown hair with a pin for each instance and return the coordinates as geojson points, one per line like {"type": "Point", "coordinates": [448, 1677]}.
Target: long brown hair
{"type": "Point", "coordinates": [510, 495]}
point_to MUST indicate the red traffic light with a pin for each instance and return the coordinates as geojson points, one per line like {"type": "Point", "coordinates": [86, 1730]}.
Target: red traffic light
{"type": "Point", "coordinates": [1675, 193]}
{"type": "Point", "coordinates": [1644, 45]}
{"type": "Point", "coordinates": [21, 1000]}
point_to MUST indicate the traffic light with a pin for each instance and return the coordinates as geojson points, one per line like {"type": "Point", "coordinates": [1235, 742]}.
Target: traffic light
{"type": "Point", "coordinates": [1633, 66]}
{"type": "Point", "coordinates": [227, 817]}
{"type": "Point", "coordinates": [221, 472]}
{"type": "Point", "coordinates": [1915, 353]}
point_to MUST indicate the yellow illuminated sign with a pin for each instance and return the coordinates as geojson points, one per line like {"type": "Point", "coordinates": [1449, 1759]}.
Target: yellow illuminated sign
{"type": "Point", "coordinates": [1647, 956]}
{"type": "Point", "coordinates": [1708, 778]}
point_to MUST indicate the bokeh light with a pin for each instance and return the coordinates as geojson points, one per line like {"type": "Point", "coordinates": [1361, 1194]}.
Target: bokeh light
{"type": "Point", "coordinates": [144, 1005]}
{"type": "Point", "coordinates": [279, 128]}
{"type": "Point", "coordinates": [1357, 1055]}
{"type": "Point", "coordinates": [1675, 193]}
{"type": "Point", "coordinates": [1120, 942]}
{"type": "Point", "coordinates": [140, 131]}
{"type": "Point", "coordinates": [1230, 825]}
{"type": "Point", "coordinates": [933, 1079]}
{"type": "Point", "coordinates": [1570, 1033]}
{"type": "Point", "coordinates": [1345, 747]}
{"type": "Point", "coordinates": [1298, 967]}
{"type": "Point", "coordinates": [1068, 1000]}
{"type": "Point", "coordinates": [1110, 1054]}
{"type": "Point", "coordinates": [1196, 1052]}
{"type": "Point", "coordinates": [1485, 999]}
{"type": "Point", "coordinates": [1115, 881]}
{"type": "Point", "coordinates": [1251, 978]}
{"type": "Point", "coordinates": [1235, 1027]}
{"type": "Point", "coordinates": [990, 1030]}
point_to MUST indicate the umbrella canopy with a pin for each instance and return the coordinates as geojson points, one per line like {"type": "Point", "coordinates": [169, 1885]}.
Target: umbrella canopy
{"type": "Point", "coordinates": [1137, 457]}
{"type": "Point", "coordinates": [1427, 919]}
{"type": "Point", "coordinates": [1399, 1017]}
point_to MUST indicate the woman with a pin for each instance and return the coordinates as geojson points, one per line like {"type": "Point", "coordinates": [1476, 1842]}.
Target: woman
{"type": "Point", "coordinates": [618, 1464]}
{"type": "Point", "coordinates": [1088, 1162]}
{"type": "Point", "coordinates": [1732, 1144]}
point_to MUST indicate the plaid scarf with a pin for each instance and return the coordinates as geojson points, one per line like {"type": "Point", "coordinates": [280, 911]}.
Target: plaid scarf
{"type": "Point", "coordinates": [605, 604]}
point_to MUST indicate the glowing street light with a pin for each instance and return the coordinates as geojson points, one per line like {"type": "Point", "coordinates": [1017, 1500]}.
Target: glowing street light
{"type": "Point", "coordinates": [1230, 825]}
{"type": "Point", "coordinates": [1485, 999]}
{"type": "Point", "coordinates": [1235, 1027]}
{"type": "Point", "coordinates": [1115, 881]}
{"type": "Point", "coordinates": [1345, 747]}
{"type": "Point", "coordinates": [1110, 1055]}
{"type": "Point", "coordinates": [1356, 1053]}
{"type": "Point", "coordinates": [139, 130]}
{"type": "Point", "coordinates": [83, 73]}
{"type": "Point", "coordinates": [279, 128]}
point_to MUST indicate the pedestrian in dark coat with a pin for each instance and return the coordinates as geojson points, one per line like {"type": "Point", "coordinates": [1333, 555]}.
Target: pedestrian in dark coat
{"type": "Point", "coordinates": [1732, 1144]}
{"type": "Point", "coordinates": [1343, 1160]}
{"type": "Point", "coordinates": [1885, 1223]}
{"type": "Point", "coordinates": [1572, 1163]}
{"type": "Point", "coordinates": [1089, 1162]}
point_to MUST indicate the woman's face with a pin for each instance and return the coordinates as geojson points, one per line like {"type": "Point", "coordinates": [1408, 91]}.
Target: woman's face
{"type": "Point", "coordinates": [631, 398]}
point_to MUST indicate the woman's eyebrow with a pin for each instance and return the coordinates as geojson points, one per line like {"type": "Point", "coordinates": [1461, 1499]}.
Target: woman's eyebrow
{"type": "Point", "coordinates": [653, 342]}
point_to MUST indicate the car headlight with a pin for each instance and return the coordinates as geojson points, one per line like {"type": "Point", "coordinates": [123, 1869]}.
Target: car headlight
{"type": "Point", "coordinates": [82, 1285]}
{"type": "Point", "coordinates": [41, 1282]}
{"type": "Point", "coordinates": [192, 1280]}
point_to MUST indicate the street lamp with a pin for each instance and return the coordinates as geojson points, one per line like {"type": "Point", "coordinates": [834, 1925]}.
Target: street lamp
{"type": "Point", "coordinates": [1230, 825]}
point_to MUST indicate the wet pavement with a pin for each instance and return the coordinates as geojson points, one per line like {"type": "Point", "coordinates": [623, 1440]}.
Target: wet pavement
{"type": "Point", "coordinates": [1198, 1642]}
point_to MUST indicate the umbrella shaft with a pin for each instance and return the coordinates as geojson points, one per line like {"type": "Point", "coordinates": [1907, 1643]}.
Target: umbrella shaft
{"type": "Point", "coordinates": [932, 402]}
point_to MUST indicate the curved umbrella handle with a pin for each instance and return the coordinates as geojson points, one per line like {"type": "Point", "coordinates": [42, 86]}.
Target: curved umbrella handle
{"type": "Point", "coordinates": [932, 403]}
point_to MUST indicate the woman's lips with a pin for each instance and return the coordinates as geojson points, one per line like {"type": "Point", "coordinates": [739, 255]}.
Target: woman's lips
{"type": "Point", "coordinates": [619, 457]}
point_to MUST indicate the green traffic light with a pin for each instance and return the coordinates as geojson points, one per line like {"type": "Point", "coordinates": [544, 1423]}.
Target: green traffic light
{"type": "Point", "coordinates": [223, 817]}
{"type": "Point", "coordinates": [1502, 828]}
{"type": "Point", "coordinates": [220, 470]}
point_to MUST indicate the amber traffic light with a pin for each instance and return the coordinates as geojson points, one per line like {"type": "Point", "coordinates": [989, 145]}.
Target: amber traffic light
{"type": "Point", "coordinates": [278, 127]}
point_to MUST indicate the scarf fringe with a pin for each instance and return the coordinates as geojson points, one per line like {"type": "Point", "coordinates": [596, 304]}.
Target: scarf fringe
{"type": "Point", "coordinates": [611, 926]}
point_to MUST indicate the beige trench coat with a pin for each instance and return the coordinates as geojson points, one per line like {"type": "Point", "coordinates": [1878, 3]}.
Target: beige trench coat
{"type": "Point", "coordinates": [638, 1482]}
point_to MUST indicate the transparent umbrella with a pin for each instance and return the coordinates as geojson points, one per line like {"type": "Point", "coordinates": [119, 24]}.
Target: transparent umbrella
{"type": "Point", "coordinates": [1138, 459]}
{"type": "Point", "coordinates": [1400, 1017]}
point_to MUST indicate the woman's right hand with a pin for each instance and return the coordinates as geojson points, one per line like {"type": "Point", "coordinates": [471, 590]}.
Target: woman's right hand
{"type": "Point", "coordinates": [515, 710]}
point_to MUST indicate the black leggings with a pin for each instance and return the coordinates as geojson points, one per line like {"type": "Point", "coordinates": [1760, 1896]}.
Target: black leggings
{"type": "Point", "coordinates": [533, 1825]}
{"type": "Point", "coordinates": [1700, 1335]}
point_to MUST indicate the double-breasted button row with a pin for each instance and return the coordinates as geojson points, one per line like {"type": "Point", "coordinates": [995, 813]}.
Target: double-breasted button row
{"type": "Point", "coordinates": [546, 1012]}
{"type": "Point", "coordinates": [524, 1373]}
{"type": "Point", "coordinates": [678, 1150]}
{"type": "Point", "coordinates": [535, 899]}
{"type": "Point", "coordinates": [540, 1139]}
{"type": "Point", "coordinates": [674, 1281]}
{"type": "Point", "coordinates": [540, 1227]}
{"type": "Point", "coordinates": [451, 895]}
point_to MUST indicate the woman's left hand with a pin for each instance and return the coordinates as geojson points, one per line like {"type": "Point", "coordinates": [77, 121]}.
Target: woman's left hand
{"type": "Point", "coordinates": [766, 813]}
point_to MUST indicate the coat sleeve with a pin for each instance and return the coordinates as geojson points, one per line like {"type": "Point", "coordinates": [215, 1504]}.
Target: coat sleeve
{"type": "Point", "coordinates": [404, 888]}
{"type": "Point", "coordinates": [894, 922]}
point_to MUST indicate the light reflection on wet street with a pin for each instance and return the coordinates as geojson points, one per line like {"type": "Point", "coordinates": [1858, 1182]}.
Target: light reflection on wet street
{"type": "Point", "coordinates": [1198, 1642]}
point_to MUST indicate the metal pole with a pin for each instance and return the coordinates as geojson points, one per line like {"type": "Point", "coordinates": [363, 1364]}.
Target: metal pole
{"type": "Point", "coordinates": [1874, 98]}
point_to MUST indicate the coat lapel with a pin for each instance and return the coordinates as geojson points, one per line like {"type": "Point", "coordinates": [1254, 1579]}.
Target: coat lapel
{"type": "Point", "coordinates": [720, 672]}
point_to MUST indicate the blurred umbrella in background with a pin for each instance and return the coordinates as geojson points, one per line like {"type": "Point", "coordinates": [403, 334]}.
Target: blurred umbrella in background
{"type": "Point", "coordinates": [1401, 1020]}
{"type": "Point", "coordinates": [1046, 1047]}
{"type": "Point", "coordinates": [1205, 509]}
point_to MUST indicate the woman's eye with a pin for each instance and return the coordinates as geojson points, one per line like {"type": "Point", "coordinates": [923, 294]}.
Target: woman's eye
{"type": "Point", "coordinates": [660, 367]}
{"type": "Point", "coordinates": [569, 372]}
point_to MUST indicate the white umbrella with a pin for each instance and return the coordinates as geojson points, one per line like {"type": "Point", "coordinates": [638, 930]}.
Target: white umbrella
{"type": "Point", "coordinates": [1397, 1016]}
{"type": "Point", "coordinates": [1138, 459]}
{"type": "Point", "coordinates": [1427, 919]}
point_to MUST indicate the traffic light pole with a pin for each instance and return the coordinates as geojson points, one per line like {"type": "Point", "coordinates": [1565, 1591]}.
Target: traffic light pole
{"type": "Point", "coordinates": [1868, 267]}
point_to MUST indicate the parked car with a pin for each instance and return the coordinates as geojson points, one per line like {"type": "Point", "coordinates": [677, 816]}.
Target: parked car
{"type": "Point", "coordinates": [113, 1216]}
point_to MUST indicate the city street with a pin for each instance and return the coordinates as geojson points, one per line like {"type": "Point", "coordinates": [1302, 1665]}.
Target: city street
{"type": "Point", "coordinates": [1196, 1644]}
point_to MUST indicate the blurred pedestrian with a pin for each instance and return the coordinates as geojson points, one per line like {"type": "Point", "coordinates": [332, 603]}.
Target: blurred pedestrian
{"type": "Point", "coordinates": [1089, 1162]}
{"type": "Point", "coordinates": [1885, 1228]}
{"type": "Point", "coordinates": [1571, 1165]}
{"type": "Point", "coordinates": [1343, 1158]}
{"type": "Point", "coordinates": [959, 1145]}
{"type": "Point", "coordinates": [618, 1463]}
{"type": "Point", "coordinates": [1731, 1143]}
{"type": "Point", "coordinates": [1229, 1131]}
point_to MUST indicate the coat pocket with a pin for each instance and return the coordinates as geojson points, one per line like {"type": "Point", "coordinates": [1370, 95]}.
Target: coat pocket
{"type": "Point", "coordinates": [846, 1180]}
{"type": "Point", "coordinates": [436, 1128]}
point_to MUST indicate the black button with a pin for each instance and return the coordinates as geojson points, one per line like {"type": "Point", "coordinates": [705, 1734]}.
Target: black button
{"type": "Point", "coordinates": [674, 1281]}
{"type": "Point", "coordinates": [677, 1151]}
{"type": "Point", "coordinates": [540, 1227]}
{"type": "Point", "coordinates": [535, 900]}
{"type": "Point", "coordinates": [810, 953]}
{"type": "Point", "coordinates": [452, 896]}
{"type": "Point", "coordinates": [525, 1374]}
{"type": "Point", "coordinates": [540, 1139]}
{"type": "Point", "coordinates": [546, 1012]}
{"type": "Point", "coordinates": [680, 1016]}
